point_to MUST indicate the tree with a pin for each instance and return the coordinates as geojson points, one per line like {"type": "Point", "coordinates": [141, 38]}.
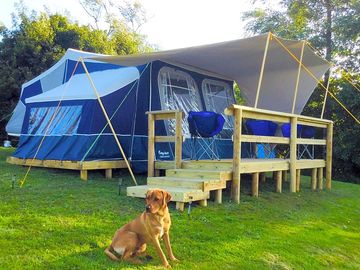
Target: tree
{"type": "Point", "coordinates": [333, 28]}
{"type": "Point", "coordinates": [37, 41]}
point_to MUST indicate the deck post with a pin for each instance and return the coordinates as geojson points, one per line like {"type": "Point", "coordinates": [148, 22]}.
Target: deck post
{"type": "Point", "coordinates": [151, 144]}
{"type": "Point", "coordinates": [279, 181]}
{"type": "Point", "coordinates": [203, 203]}
{"type": "Point", "coordinates": [108, 173]}
{"type": "Point", "coordinates": [235, 184]}
{"type": "Point", "coordinates": [284, 176]}
{"type": "Point", "coordinates": [84, 175]}
{"type": "Point", "coordinates": [180, 206]}
{"type": "Point", "coordinates": [320, 172]}
{"type": "Point", "coordinates": [263, 177]}
{"type": "Point", "coordinates": [293, 151]}
{"type": "Point", "coordinates": [298, 180]}
{"type": "Point", "coordinates": [313, 178]}
{"type": "Point", "coordinates": [218, 196]}
{"type": "Point", "coordinates": [178, 139]}
{"type": "Point", "coordinates": [329, 141]}
{"type": "Point", "coordinates": [255, 185]}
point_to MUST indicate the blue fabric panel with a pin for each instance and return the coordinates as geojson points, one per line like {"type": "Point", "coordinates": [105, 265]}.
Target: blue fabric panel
{"type": "Point", "coordinates": [91, 67]}
{"type": "Point", "coordinates": [31, 90]}
{"type": "Point", "coordinates": [123, 119]}
{"type": "Point", "coordinates": [71, 147]}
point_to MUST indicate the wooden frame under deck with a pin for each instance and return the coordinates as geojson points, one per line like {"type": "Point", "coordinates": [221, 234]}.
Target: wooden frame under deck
{"type": "Point", "coordinates": [242, 112]}
{"type": "Point", "coordinates": [257, 167]}
{"type": "Point", "coordinates": [83, 167]}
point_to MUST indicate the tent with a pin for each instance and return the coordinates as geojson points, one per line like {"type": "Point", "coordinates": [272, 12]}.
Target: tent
{"type": "Point", "coordinates": [197, 78]}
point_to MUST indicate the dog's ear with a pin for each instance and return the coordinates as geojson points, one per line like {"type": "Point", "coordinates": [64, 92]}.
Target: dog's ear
{"type": "Point", "coordinates": [148, 193]}
{"type": "Point", "coordinates": [167, 196]}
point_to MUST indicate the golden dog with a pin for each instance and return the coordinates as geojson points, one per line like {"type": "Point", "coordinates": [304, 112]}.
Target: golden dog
{"type": "Point", "coordinates": [154, 223]}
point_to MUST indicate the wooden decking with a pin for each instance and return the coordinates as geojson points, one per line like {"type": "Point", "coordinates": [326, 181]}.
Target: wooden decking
{"type": "Point", "coordinates": [194, 180]}
{"type": "Point", "coordinates": [247, 165]}
{"type": "Point", "coordinates": [83, 167]}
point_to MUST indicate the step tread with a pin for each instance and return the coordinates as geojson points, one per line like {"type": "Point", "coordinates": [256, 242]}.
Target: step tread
{"type": "Point", "coordinates": [178, 194]}
{"type": "Point", "coordinates": [200, 170]}
{"type": "Point", "coordinates": [184, 179]}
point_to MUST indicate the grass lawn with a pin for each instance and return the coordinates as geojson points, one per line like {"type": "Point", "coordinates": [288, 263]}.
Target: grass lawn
{"type": "Point", "coordinates": [57, 221]}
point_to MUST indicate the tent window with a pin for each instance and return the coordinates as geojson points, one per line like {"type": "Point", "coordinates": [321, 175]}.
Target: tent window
{"type": "Point", "coordinates": [178, 91]}
{"type": "Point", "coordinates": [218, 96]}
{"type": "Point", "coordinates": [66, 120]}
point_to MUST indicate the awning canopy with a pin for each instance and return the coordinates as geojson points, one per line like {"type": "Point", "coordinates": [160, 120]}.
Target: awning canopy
{"type": "Point", "coordinates": [241, 61]}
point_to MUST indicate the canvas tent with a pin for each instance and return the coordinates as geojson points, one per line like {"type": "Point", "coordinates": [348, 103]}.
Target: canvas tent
{"type": "Point", "coordinates": [197, 78]}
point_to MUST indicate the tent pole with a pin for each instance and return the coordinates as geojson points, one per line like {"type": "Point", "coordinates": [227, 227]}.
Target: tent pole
{"type": "Point", "coordinates": [298, 77]}
{"type": "Point", "coordinates": [325, 97]}
{"type": "Point", "coordinates": [108, 120]}
{"type": "Point", "coordinates": [262, 69]}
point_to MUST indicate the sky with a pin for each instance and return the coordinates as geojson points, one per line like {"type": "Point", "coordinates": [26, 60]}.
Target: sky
{"type": "Point", "coordinates": [172, 23]}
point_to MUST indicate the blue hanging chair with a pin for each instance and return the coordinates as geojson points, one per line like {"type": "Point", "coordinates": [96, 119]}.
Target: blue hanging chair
{"type": "Point", "coordinates": [205, 125]}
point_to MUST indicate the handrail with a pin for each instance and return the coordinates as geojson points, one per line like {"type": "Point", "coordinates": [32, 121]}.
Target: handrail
{"type": "Point", "coordinates": [152, 138]}
{"type": "Point", "coordinates": [240, 112]}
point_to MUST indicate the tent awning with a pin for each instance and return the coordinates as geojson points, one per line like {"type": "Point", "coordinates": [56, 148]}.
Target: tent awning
{"type": "Point", "coordinates": [241, 60]}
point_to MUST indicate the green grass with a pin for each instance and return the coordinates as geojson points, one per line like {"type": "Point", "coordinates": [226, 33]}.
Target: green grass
{"type": "Point", "coordinates": [57, 221]}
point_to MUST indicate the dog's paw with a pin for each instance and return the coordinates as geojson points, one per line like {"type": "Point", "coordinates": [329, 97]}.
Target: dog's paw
{"type": "Point", "coordinates": [174, 259]}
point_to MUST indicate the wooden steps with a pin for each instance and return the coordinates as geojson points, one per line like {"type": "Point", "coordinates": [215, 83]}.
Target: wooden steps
{"type": "Point", "coordinates": [187, 185]}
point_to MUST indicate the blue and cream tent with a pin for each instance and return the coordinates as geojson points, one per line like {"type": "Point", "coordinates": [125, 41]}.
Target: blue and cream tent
{"type": "Point", "coordinates": [197, 78]}
{"type": "Point", "coordinates": [79, 129]}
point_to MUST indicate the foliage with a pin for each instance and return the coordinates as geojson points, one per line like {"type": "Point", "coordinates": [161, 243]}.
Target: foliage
{"type": "Point", "coordinates": [37, 41]}
{"type": "Point", "coordinates": [57, 221]}
{"type": "Point", "coordinates": [333, 28]}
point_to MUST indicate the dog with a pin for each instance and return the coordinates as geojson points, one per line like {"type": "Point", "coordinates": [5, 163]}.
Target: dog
{"type": "Point", "coordinates": [154, 223]}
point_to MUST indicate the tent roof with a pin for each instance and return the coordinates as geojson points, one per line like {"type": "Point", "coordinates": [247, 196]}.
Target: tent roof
{"type": "Point", "coordinates": [240, 60]}
{"type": "Point", "coordinates": [79, 87]}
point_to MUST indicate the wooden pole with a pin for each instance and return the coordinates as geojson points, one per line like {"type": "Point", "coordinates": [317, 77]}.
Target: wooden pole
{"type": "Point", "coordinates": [180, 206]}
{"type": "Point", "coordinates": [298, 180]}
{"type": "Point", "coordinates": [255, 185]}
{"type": "Point", "coordinates": [284, 176]}
{"type": "Point", "coordinates": [313, 178]}
{"type": "Point", "coordinates": [293, 139]}
{"type": "Point", "coordinates": [298, 77]}
{"type": "Point", "coordinates": [108, 173]}
{"type": "Point", "coordinates": [235, 185]}
{"type": "Point", "coordinates": [325, 97]}
{"type": "Point", "coordinates": [263, 177]}
{"type": "Point", "coordinates": [151, 144]}
{"type": "Point", "coordinates": [329, 142]}
{"type": "Point", "coordinates": [279, 181]}
{"type": "Point", "coordinates": [262, 69]}
{"type": "Point", "coordinates": [108, 120]}
{"type": "Point", "coordinates": [84, 175]}
{"type": "Point", "coordinates": [178, 139]}
{"type": "Point", "coordinates": [218, 196]}
{"type": "Point", "coordinates": [320, 178]}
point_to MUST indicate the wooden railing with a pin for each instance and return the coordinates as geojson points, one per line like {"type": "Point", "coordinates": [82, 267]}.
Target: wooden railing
{"type": "Point", "coordinates": [241, 112]}
{"type": "Point", "coordinates": [152, 139]}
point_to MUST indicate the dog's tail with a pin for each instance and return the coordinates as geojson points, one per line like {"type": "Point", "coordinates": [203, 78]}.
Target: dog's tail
{"type": "Point", "coordinates": [110, 254]}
